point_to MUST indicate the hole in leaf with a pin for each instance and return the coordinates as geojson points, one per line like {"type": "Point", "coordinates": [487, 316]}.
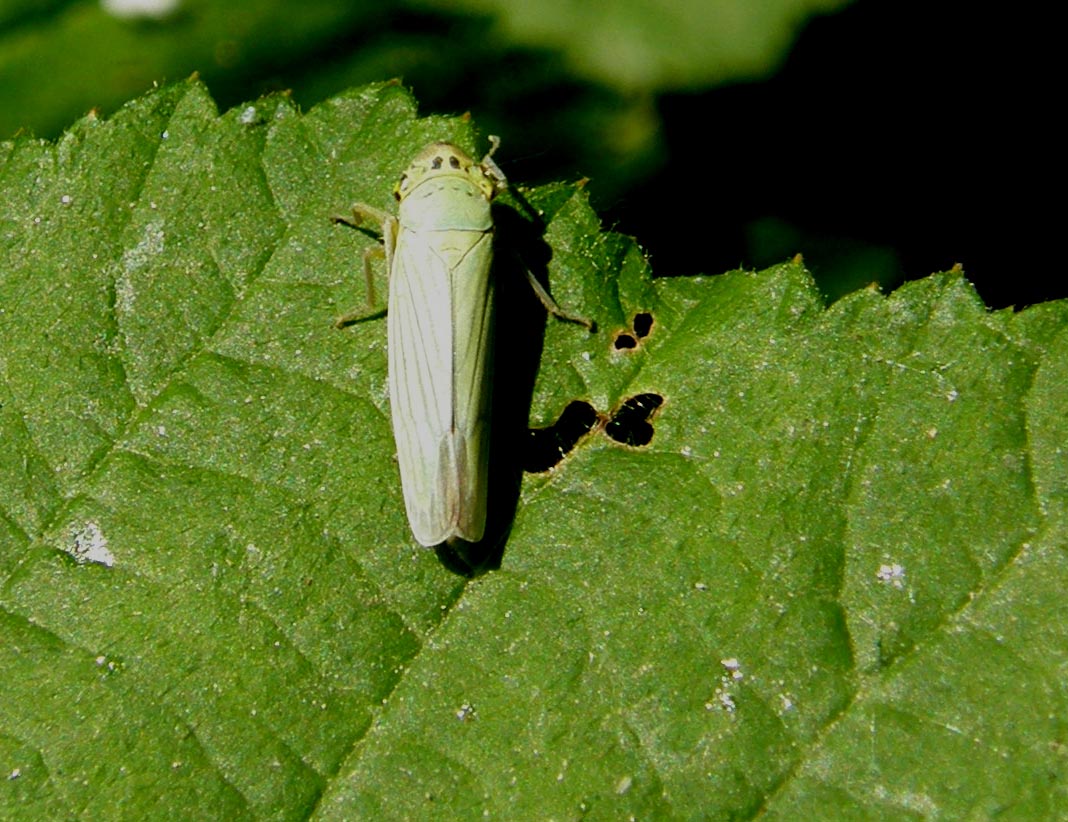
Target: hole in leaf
{"type": "Point", "coordinates": [630, 424]}
{"type": "Point", "coordinates": [641, 326]}
{"type": "Point", "coordinates": [547, 446]}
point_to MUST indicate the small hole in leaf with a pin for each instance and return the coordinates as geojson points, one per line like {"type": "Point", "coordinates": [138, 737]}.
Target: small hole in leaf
{"type": "Point", "coordinates": [641, 326]}
{"type": "Point", "coordinates": [547, 446]}
{"type": "Point", "coordinates": [630, 424]}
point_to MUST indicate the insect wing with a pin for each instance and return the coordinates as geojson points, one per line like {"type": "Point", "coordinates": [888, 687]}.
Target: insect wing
{"type": "Point", "coordinates": [440, 334]}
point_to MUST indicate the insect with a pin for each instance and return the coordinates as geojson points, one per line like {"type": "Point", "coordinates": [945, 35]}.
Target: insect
{"type": "Point", "coordinates": [439, 251]}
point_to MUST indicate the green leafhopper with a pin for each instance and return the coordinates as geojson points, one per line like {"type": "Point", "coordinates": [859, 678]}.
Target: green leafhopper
{"type": "Point", "coordinates": [439, 251]}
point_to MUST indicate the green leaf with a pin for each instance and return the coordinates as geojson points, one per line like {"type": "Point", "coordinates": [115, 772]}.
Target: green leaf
{"type": "Point", "coordinates": [58, 59]}
{"type": "Point", "coordinates": [832, 585]}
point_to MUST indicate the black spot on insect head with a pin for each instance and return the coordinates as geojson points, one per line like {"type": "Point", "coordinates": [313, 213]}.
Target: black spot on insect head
{"type": "Point", "coordinates": [630, 424]}
{"type": "Point", "coordinates": [436, 164]}
{"type": "Point", "coordinates": [548, 446]}
{"type": "Point", "coordinates": [454, 161]}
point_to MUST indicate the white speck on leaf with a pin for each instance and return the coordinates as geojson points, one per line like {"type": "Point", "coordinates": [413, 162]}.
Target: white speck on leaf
{"type": "Point", "coordinates": [892, 574]}
{"type": "Point", "coordinates": [149, 246]}
{"type": "Point", "coordinates": [88, 544]}
{"type": "Point", "coordinates": [733, 667]}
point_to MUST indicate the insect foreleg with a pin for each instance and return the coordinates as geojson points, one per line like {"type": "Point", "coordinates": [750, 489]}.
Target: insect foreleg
{"type": "Point", "coordinates": [361, 215]}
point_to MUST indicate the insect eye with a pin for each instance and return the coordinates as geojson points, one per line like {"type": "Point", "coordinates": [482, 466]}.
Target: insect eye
{"type": "Point", "coordinates": [437, 163]}
{"type": "Point", "coordinates": [454, 161]}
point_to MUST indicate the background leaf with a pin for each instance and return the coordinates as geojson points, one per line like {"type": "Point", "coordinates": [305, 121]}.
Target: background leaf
{"type": "Point", "coordinates": [882, 141]}
{"type": "Point", "coordinates": [99, 57]}
{"type": "Point", "coordinates": [650, 45]}
{"type": "Point", "coordinates": [831, 585]}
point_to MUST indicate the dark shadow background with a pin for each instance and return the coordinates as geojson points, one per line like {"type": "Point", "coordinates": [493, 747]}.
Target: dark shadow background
{"type": "Point", "coordinates": [899, 138]}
